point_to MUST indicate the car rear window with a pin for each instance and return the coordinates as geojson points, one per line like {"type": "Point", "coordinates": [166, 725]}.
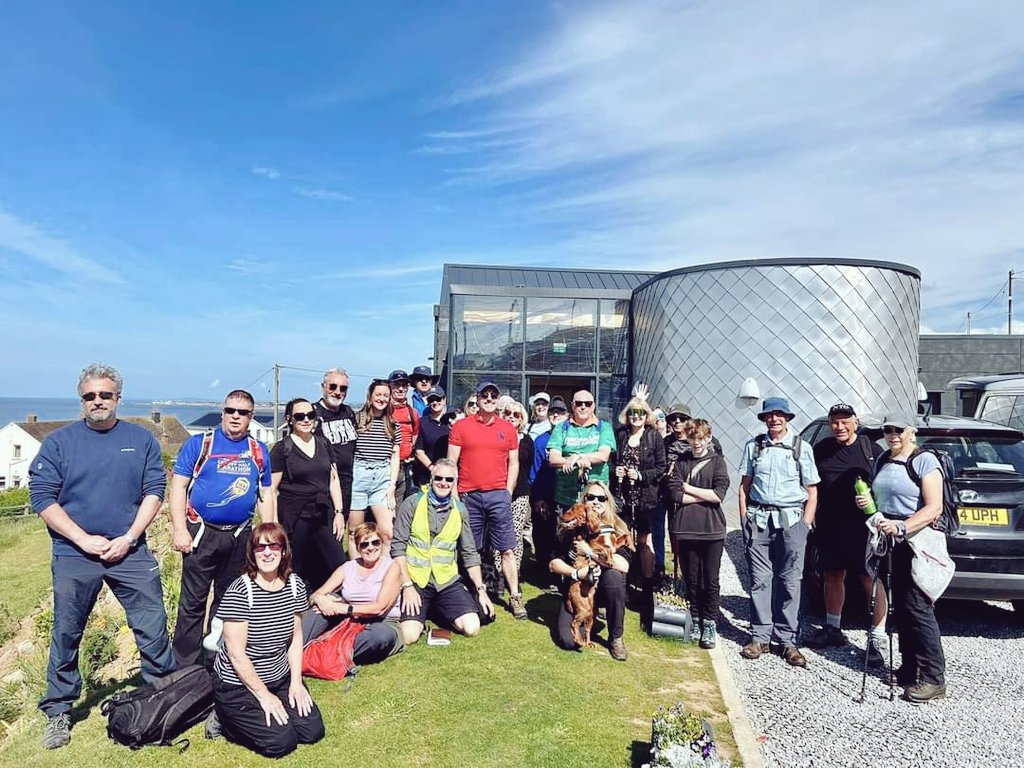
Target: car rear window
{"type": "Point", "coordinates": [980, 455]}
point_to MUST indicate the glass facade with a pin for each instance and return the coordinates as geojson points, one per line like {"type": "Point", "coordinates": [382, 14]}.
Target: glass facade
{"type": "Point", "coordinates": [510, 340]}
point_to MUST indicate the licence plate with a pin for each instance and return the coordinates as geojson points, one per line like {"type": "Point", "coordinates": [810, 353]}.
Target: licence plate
{"type": "Point", "coordinates": [983, 515]}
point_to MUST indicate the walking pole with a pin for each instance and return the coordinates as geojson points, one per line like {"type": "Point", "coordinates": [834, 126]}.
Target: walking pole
{"type": "Point", "coordinates": [891, 542]}
{"type": "Point", "coordinates": [867, 645]}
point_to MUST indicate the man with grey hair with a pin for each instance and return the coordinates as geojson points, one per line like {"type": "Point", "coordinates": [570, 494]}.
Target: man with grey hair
{"type": "Point", "coordinates": [98, 484]}
{"type": "Point", "coordinates": [336, 421]}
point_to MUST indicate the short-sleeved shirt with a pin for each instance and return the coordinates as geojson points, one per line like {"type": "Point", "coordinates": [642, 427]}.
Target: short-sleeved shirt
{"type": "Point", "coordinates": [225, 492]}
{"type": "Point", "coordinates": [571, 439]}
{"type": "Point", "coordinates": [839, 466]}
{"type": "Point", "coordinates": [433, 441]}
{"type": "Point", "coordinates": [408, 422]}
{"type": "Point", "coordinates": [271, 626]}
{"type": "Point", "coordinates": [483, 459]}
{"type": "Point", "coordinates": [775, 479]}
{"type": "Point", "coordinates": [896, 494]}
{"type": "Point", "coordinates": [339, 429]}
{"type": "Point", "coordinates": [305, 480]}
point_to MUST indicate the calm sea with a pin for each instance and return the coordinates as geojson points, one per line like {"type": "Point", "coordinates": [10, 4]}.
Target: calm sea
{"type": "Point", "coordinates": [61, 408]}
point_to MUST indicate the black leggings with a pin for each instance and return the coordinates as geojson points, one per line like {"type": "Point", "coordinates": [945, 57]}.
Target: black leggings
{"type": "Point", "coordinates": [611, 591]}
{"type": "Point", "coordinates": [701, 561]}
{"type": "Point", "coordinates": [316, 553]}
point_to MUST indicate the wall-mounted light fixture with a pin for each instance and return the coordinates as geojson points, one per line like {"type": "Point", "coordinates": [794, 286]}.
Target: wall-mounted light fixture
{"type": "Point", "coordinates": [749, 394]}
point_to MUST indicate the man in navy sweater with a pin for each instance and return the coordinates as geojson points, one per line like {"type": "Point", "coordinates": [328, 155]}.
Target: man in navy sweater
{"type": "Point", "coordinates": [97, 484]}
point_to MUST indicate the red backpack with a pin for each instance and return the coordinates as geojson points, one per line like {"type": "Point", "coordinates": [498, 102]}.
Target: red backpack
{"type": "Point", "coordinates": [329, 657]}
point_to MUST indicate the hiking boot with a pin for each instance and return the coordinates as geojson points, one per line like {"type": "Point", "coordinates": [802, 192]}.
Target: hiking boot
{"type": "Point", "coordinates": [708, 635]}
{"type": "Point", "coordinates": [793, 656]}
{"type": "Point", "coordinates": [904, 678]}
{"type": "Point", "coordinates": [876, 659]}
{"type": "Point", "coordinates": [212, 729]}
{"type": "Point", "coordinates": [58, 731]}
{"type": "Point", "coordinates": [617, 649]}
{"type": "Point", "coordinates": [825, 637]}
{"type": "Point", "coordinates": [515, 604]}
{"type": "Point", "coordinates": [924, 692]}
{"type": "Point", "coordinates": [753, 650]}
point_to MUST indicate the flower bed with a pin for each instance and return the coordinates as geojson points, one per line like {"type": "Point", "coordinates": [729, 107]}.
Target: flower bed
{"type": "Point", "coordinates": [681, 739]}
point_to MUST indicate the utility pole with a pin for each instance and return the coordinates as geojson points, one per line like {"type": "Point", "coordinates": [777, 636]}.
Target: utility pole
{"type": "Point", "coordinates": [277, 397]}
{"type": "Point", "coordinates": [1009, 304]}
{"type": "Point", "coordinates": [968, 323]}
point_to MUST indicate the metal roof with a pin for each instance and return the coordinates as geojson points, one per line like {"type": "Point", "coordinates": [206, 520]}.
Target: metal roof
{"type": "Point", "coordinates": [482, 279]}
{"type": "Point", "coordinates": [212, 419]}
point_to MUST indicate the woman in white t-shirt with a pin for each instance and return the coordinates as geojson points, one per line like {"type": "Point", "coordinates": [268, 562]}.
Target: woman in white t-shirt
{"type": "Point", "coordinates": [907, 508]}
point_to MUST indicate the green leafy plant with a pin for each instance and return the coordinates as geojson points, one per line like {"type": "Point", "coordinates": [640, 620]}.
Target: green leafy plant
{"type": "Point", "coordinates": [8, 623]}
{"type": "Point", "coordinates": [682, 739]}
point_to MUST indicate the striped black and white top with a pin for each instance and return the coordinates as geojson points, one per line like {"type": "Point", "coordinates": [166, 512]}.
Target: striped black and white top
{"type": "Point", "coordinates": [271, 625]}
{"type": "Point", "coordinates": [373, 445]}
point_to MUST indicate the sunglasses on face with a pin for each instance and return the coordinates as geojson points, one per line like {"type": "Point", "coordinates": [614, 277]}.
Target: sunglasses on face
{"type": "Point", "coordinates": [273, 546]}
{"type": "Point", "coordinates": [676, 419]}
{"type": "Point", "coordinates": [304, 416]}
{"type": "Point", "coordinates": [637, 414]}
{"type": "Point", "coordinates": [239, 411]}
{"type": "Point", "coordinates": [583, 403]}
{"type": "Point", "coordinates": [510, 414]}
{"type": "Point", "coordinates": [556, 412]}
{"type": "Point", "coordinates": [371, 544]}
{"type": "Point", "coordinates": [488, 394]}
{"type": "Point", "coordinates": [442, 479]}
{"type": "Point", "coordinates": [90, 396]}
{"type": "Point", "coordinates": [432, 400]}
{"type": "Point", "coordinates": [342, 388]}
{"type": "Point", "coordinates": [596, 497]}
{"type": "Point", "coordinates": [472, 404]}
{"type": "Point", "coordinates": [892, 430]}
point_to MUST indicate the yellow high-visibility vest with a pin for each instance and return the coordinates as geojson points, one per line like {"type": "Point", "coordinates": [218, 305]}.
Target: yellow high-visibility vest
{"type": "Point", "coordinates": [424, 554]}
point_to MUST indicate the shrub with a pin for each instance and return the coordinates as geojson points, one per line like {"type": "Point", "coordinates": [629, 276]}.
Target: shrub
{"type": "Point", "coordinates": [8, 623]}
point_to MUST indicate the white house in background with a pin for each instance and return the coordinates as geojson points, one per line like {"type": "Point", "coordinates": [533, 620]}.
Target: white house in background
{"type": "Point", "coordinates": [261, 427]}
{"type": "Point", "coordinates": [20, 442]}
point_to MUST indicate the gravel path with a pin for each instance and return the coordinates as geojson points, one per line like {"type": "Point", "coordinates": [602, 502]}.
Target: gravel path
{"type": "Point", "coordinates": [810, 717]}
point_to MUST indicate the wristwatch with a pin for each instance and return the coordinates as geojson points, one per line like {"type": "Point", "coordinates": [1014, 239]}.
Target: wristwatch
{"type": "Point", "coordinates": [132, 543]}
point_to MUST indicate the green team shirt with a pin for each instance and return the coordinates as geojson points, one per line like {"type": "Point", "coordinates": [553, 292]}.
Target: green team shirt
{"type": "Point", "coordinates": [571, 439]}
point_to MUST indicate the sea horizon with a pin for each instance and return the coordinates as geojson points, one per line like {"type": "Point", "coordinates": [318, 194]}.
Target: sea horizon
{"type": "Point", "coordinates": [68, 408]}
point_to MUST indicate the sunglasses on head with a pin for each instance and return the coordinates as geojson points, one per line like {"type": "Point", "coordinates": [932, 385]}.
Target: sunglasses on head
{"type": "Point", "coordinates": [304, 416]}
{"type": "Point", "coordinates": [90, 396]}
{"type": "Point", "coordinates": [595, 497]}
{"type": "Point", "coordinates": [583, 403]}
{"type": "Point", "coordinates": [368, 544]}
{"type": "Point", "coordinates": [343, 388]}
{"type": "Point", "coordinates": [273, 546]}
{"type": "Point", "coordinates": [442, 479]}
{"type": "Point", "coordinates": [240, 411]}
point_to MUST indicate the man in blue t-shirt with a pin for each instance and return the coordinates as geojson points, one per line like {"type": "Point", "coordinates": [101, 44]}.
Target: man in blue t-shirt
{"type": "Point", "coordinates": [97, 484]}
{"type": "Point", "coordinates": [214, 490]}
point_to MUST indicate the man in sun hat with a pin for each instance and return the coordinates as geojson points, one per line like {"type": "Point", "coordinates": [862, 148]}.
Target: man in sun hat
{"type": "Point", "coordinates": [778, 497]}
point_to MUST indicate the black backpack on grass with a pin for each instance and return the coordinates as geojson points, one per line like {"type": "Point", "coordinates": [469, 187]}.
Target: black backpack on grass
{"type": "Point", "coordinates": [160, 712]}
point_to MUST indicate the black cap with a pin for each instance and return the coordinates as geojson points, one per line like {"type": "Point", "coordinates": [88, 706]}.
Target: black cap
{"type": "Point", "coordinates": [397, 376]}
{"type": "Point", "coordinates": [423, 372]}
{"type": "Point", "coordinates": [557, 404]}
{"type": "Point", "coordinates": [841, 410]}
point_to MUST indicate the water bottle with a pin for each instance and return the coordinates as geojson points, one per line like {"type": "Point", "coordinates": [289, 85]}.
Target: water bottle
{"type": "Point", "coordinates": [861, 488]}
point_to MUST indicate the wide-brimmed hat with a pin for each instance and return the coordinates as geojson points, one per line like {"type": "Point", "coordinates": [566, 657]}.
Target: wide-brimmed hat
{"type": "Point", "coordinates": [423, 372]}
{"type": "Point", "coordinates": [772, 404]}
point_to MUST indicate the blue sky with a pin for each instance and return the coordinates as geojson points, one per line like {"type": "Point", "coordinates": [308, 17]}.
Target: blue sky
{"type": "Point", "coordinates": [195, 191]}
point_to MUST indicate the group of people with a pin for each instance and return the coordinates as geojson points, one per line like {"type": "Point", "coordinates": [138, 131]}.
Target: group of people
{"type": "Point", "coordinates": [788, 488]}
{"type": "Point", "coordinates": [451, 496]}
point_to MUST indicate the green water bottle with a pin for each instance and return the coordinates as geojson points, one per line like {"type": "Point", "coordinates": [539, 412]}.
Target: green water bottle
{"type": "Point", "coordinates": [861, 488]}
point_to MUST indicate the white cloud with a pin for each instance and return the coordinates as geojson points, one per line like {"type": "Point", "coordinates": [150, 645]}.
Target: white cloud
{"type": "Point", "coordinates": [214, 383]}
{"type": "Point", "coordinates": [266, 171]}
{"type": "Point", "coordinates": [671, 134]}
{"type": "Point", "coordinates": [29, 240]}
{"type": "Point", "coordinates": [317, 193]}
{"type": "Point", "coordinates": [250, 266]}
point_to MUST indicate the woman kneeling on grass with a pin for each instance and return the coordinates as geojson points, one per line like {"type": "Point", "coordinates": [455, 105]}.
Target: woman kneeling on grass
{"type": "Point", "coordinates": [258, 695]}
{"type": "Point", "coordinates": [365, 589]}
{"type": "Point", "coordinates": [611, 582]}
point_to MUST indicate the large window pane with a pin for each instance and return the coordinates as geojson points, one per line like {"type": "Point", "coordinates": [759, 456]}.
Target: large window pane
{"type": "Point", "coordinates": [613, 394]}
{"type": "Point", "coordinates": [465, 384]}
{"type": "Point", "coordinates": [487, 333]}
{"type": "Point", "coordinates": [561, 334]}
{"type": "Point", "coordinates": [614, 336]}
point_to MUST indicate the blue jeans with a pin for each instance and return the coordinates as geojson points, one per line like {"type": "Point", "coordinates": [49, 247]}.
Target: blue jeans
{"type": "Point", "coordinates": [77, 580]}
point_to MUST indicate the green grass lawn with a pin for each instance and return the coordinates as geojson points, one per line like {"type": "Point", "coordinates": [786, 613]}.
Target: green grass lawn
{"type": "Point", "coordinates": [25, 568]}
{"type": "Point", "coordinates": [506, 698]}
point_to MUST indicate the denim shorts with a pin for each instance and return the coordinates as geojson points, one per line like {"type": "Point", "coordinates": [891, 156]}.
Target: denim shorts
{"type": "Point", "coordinates": [370, 483]}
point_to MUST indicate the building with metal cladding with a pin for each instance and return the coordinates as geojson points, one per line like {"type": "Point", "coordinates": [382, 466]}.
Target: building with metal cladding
{"type": "Point", "coordinates": [813, 331]}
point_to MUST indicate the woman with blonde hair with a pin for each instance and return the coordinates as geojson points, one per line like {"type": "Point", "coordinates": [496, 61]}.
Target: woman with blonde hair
{"type": "Point", "coordinates": [611, 580]}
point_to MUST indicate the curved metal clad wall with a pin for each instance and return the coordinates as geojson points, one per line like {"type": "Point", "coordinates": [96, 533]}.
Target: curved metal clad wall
{"type": "Point", "coordinates": [813, 332]}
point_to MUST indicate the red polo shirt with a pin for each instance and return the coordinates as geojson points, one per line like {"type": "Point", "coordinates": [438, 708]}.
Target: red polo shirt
{"type": "Point", "coordinates": [405, 417]}
{"type": "Point", "coordinates": [483, 460]}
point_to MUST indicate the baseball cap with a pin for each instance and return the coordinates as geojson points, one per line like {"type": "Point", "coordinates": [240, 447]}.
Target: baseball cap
{"type": "Point", "coordinates": [488, 385]}
{"type": "Point", "coordinates": [540, 396]}
{"type": "Point", "coordinates": [900, 421]}
{"type": "Point", "coordinates": [397, 376]}
{"type": "Point", "coordinates": [557, 404]}
{"type": "Point", "coordinates": [841, 410]}
{"type": "Point", "coordinates": [435, 391]}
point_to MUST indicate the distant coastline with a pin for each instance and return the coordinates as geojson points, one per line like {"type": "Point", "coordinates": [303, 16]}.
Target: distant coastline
{"type": "Point", "coordinates": [68, 408]}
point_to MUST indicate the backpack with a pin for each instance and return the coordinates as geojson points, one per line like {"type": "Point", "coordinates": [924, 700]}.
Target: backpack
{"type": "Point", "coordinates": [948, 522]}
{"type": "Point", "coordinates": [761, 444]}
{"type": "Point", "coordinates": [161, 711]}
{"type": "Point", "coordinates": [329, 657]}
